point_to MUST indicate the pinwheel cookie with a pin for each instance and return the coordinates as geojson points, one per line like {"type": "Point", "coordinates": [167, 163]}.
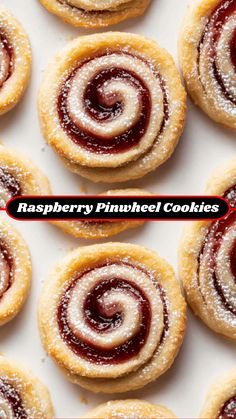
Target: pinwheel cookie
{"type": "Point", "coordinates": [101, 229]}
{"type": "Point", "coordinates": [15, 272]}
{"type": "Point", "coordinates": [95, 14]}
{"type": "Point", "coordinates": [207, 260]}
{"type": "Point", "coordinates": [221, 399]}
{"type": "Point", "coordinates": [15, 61]}
{"type": "Point", "coordinates": [21, 394]}
{"type": "Point", "coordinates": [112, 317]}
{"type": "Point", "coordinates": [207, 57]}
{"type": "Point", "coordinates": [19, 176]}
{"type": "Point", "coordinates": [123, 409]}
{"type": "Point", "coordinates": [112, 106]}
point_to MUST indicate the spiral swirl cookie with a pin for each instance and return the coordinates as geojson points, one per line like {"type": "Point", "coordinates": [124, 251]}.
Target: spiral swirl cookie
{"type": "Point", "coordinates": [15, 272]}
{"type": "Point", "coordinates": [22, 395]}
{"type": "Point", "coordinates": [207, 260]}
{"type": "Point", "coordinates": [112, 317]}
{"type": "Point", "coordinates": [95, 14]}
{"type": "Point", "coordinates": [123, 409]}
{"type": "Point", "coordinates": [207, 55]}
{"type": "Point", "coordinates": [101, 229]}
{"type": "Point", "coordinates": [15, 61]}
{"type": "Point", "coordinates": [221, 399]}
{"type": "Point", "coordinates": [19, 176]}
{"type": "Point", "coordinates": [112, 106]}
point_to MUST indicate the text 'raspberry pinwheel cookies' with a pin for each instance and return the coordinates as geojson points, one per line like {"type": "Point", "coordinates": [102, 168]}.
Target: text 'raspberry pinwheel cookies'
{"type": "Point", "coordinates": [207, 260]}
{"type": "Point", "coordinates": [124, 409]}
{"type": "Point", "coordinates": [112, 106]}
{"type": "Point", "coordinates": [208, 60]}
{"type": "Point", "coordinates": [95, 14]}
{"type": "Point", "coordinates": [101, 229]}
{"type": "Point", "coordinates": [22, 395]}
{"type": "Point", "coordinates": [15, 272]}
{"type": "Point", "coordinates": [221, 399]}
{"type": "Point", "coordinates": [112, 317]}
{"type": "Point", "coordinates": [15, 61]}
{"type": "Point", "coordinates": [19, 176]}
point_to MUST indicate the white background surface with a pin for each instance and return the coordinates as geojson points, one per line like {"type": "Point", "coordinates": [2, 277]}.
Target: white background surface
{"type": "Point", "coordinates": [203, 146]}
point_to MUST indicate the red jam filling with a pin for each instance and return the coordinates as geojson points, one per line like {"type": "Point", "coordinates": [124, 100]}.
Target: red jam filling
{"type": "Point", "coordinates": [216, 22]}
{"type": "Point", "coordinates": [230, 195]}
{"type": "Point", "coordinates": [213, 242]}
{"type": "Point", "coordinates": [7, 266]}
{"type": "Point", "coordinates": [233, 49]}
{"type": "Point", "coordinates": [12, 396]}
{"type": "Point", "coordinates": [9, 183]}
{"type": "Point", "coordinates": [9, 54]}
{"type": "Point", "coordinates": [99, 321]}
{"type": "Point", "coordinates": [102, 112]}
{"type": "Point", "coordinates": [228, 411]}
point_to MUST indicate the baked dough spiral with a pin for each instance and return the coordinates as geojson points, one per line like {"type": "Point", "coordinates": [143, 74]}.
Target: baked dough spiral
{"type": "Point", "coordinates": [112, 317]}
{"type": "Point", "coordinates": [207, 260]}
{"type": "Point", "coordinates": [221, 399]}
{"type": "Point", "coordinates": [22, 395]}
{"type": "Point", "coordinates": [19, 176]}
{"type": "Point", "coordinates": [102, 229]}
{"type": "Point", "coordinates": [112, 106]}
{"type": "Point", "coordinates": [15, 61]}
{"type": "Point", "coordinates": [123, 409]}
{"type": "Point", "coordinates": [95, 14]}
{"type": "Point", "coordinates": [207, 56]}
{"type": "Point", "coordinates": [15, 272]}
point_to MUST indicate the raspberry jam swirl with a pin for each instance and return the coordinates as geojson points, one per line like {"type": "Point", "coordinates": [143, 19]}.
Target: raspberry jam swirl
{"type": "Point", "coordinates": [6, 268]}
{"type": "Point", "coordinates": [228, 411]}
{"type": "Point", "coordinates": [217, 56]}
{"type": "Point", "coordinates": [217, 265]}
{"type": "Point", "coordinates": [114, 104]}
{"type": "Point", "coordinates": [114, 314]}
{"type": "Point", "coordinates": [11, 406]}
{"type": "Point", "coordinates": [9, 186]}
{"type": "Point", "coordinates": [6, 59]}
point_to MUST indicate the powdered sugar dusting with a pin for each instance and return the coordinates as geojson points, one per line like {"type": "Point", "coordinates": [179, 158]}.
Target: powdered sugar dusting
{"type": "Point", "coordinates": [215, 62]}
{"type": "Point", "coordinates": [112, 320]}
{"type": "Point", "coordinates": [104, 107]}
{"type": "Point", "coordinates": [18, 176]}
{"type": "Point", "coordinates": [14, 60]}
{"type": "Point", "coordinates": [99, 13]}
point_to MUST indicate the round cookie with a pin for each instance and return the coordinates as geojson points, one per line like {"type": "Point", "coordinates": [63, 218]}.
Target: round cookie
{"type": "Point", "coordinates": [207, 58]}
{"type": "Point", "coordinates": [206, 260]}
{"type": "Point", "coordinates": [19, 176]}
{"type": "Point", "coordinates": [130, 408]}
{"type": "Point", "coordinates": [21, 394]}
{"type": "Point", "coordinates": [91, 14]}
{"type": "Point", "coordinates": [112, 317]}
{"type": "Point", "coordinates": [15, 63]}
{"type": "Point", "coordinates": [15, 272]}
{"type": "Point", "coordinates": [102, 229]}
{"type": "Point", "coordinates": [221, 399]}
{"type": "Point", "coordinates": [112, 106]}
